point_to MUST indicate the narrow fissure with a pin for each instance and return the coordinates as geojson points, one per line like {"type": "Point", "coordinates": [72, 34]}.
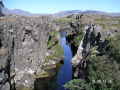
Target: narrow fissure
{"type": "Point", "coordinates": [65, 72]}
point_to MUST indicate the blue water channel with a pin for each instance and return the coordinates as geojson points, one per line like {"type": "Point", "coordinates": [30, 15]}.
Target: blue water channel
{"type": "Point", "coordinates": [65, 73]}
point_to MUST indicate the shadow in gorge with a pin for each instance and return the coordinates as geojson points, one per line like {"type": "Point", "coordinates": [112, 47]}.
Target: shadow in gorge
{"type": "Point", "coordinates": [48, 83]}
{"type": "Point", "coordinates": [74, 48]}
{"type": "Point", "coordinates": [71, 41]}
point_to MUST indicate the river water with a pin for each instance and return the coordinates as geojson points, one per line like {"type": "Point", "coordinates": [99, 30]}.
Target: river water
{"type": "Point", "coordinates": [65, 73]}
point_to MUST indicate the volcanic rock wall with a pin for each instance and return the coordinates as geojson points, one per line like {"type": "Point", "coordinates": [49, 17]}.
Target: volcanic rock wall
{"type": "Point", "coordinates": [23, 45]}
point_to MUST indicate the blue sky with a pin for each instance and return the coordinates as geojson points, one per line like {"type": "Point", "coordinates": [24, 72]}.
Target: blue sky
{"type": "Point", "coordinates": [53, 6]}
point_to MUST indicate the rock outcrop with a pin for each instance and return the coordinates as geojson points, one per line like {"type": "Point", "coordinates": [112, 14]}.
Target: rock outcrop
{"type": "Point", "coordinates": [23, 45]}
{"type": "Point", "coordinates": [90, 40]}
{"type": "Point", "coordinates": [85, 44]}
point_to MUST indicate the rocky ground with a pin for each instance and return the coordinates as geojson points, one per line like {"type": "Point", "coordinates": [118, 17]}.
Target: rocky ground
{"type": "Point", "coordinates": [29, 44]}
{"type": "Point", "coordinates": [23, 48]}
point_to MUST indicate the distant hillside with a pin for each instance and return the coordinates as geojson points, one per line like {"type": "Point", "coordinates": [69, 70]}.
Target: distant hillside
{"type": "Point", "coordinates": [17, 12]}
{"type": "Point", "coordinates": [59, 14]}
{"type": "Point", "coordinates": [66, 13]}
{"type": "Point", "coordinates": [7, 11]}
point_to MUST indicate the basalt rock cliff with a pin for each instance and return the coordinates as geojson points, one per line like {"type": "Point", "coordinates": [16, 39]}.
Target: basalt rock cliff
{"type": "Point", "coordinates": [23, 47]}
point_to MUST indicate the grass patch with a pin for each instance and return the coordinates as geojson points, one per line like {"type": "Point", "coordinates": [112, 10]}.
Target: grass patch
{"type": "Point", "coordinates": [64, 20]}
{"type": "Point", "coordinates": [52, 39]}
{"type": "Point", "coordinates": [53, 45]}
{"type": "Point", "coordinates": [58, 53]}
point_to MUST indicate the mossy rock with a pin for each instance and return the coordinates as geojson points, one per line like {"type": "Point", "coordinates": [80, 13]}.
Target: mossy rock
{"type": "Point", "coordinates": [44, 75]}
{"type": "Point", "coordinates": [54, 67]}
{"type": "Point", "coordinates": [49, 71]}
{"type": "Point", "coordinates": [52, 39]}
{"type": "Point", "coordinates": [25, 88]}
{"type": "Point", "coordinates": [58, 53]}
{"type": "Point", "coordinates": [21, 87]}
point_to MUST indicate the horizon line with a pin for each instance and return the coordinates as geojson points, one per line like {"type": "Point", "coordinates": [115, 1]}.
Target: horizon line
{"type": "Point", "coordinates": [63, 11]}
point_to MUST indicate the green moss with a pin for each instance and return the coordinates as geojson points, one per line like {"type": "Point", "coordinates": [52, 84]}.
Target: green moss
{"type": "Point", "coordinates": [51, 57]}
{"type": "Point", "coordinates": [53, 39]}
{"type": "Point", "coordinates": [78, 38]}
{"type": "Point", "coordinates": [58, 53]}
{"type": "Point", "coordinates": [45, 75]}
{"type": "Point", "coordinates": [21, 87]}
{"type": "Point", "coordinates": [49, 71]}
{"type": "Point", "coordinates": [54, 33]}
{"type": "Point", "coordinates": [53, 45]}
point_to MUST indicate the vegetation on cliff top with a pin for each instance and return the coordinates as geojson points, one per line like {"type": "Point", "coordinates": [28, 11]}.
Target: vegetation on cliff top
{"type": "Point", "coordinates": [103, 69]}
{"type": "Point", "coordinates": [64, 20]}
